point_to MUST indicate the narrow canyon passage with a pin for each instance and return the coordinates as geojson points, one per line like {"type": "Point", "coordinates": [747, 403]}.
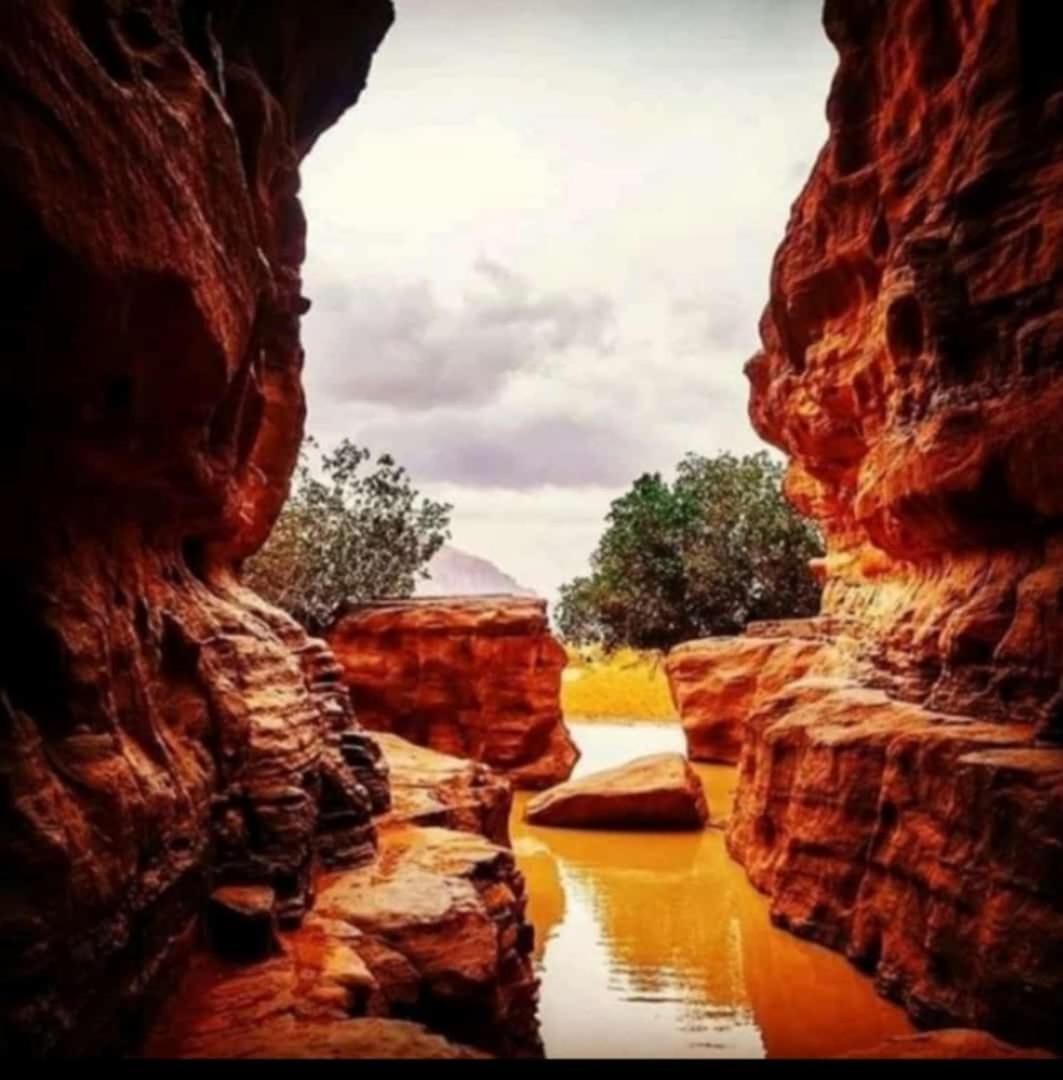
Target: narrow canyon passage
{"type": "Point", "coordinates": [656, 945]}
{"type": "Point", "coordinates": [175, 750]}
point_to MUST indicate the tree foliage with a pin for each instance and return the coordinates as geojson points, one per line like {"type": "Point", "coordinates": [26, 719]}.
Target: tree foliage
{"type": "Point", "coordinates": [354, 530]}
{"type": "Point", "coordinates": [718, 547]}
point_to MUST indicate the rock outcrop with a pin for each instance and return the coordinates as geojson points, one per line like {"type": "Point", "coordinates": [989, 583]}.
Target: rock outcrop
{"type": "Point", "coordinates": [432, 931]}
{"type": "Point", "coordinates": [478, 677]}
{"type": "Point", "coordinates": [907, 808]}
{"type": "Point", "coordinates": [715, 683]}
{"type": "Point", "coordinates": [910, 361]}
{"type": "Point", "coordinates": [659, 792]}
{"type": "Point", "coordinates": [430, 788]}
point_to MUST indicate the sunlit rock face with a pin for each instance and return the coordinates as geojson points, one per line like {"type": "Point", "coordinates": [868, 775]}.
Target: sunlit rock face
{"type": "Point", "coordinates": [906, 806]}
{"type": "Point", "coordinates": [163, 731]}
{"type": "Point", "coordinates": [912, 348]}
{"type": "Point", "coordinates": [479, 677]}
{"type": "Point", "coordinates": [716, 682]}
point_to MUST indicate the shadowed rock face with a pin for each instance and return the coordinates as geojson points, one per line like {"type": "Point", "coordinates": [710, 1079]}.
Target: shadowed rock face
{"type": "Point", "coordinates": [479, 677]}
{"type": "Point", "coordinates": [912, 348]}
{"type": "Point", "coordinates": [896, 801]}
{"type": "Point", "coordinates": [162, 730]}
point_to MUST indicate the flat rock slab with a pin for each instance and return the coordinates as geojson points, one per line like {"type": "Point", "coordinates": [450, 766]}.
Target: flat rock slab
{"type": "Point", "coordinates": [435, 789]}
{"type": "Point", "coordinates": [661, 791]}
{"type": "Point", "coordinates": [432, 931]}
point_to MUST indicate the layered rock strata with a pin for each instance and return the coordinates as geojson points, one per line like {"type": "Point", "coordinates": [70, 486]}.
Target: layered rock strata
{"type": "Point", "coordinates": [429, 788]}
{"type": "Point", "coordinates": [907, 808]}
{"type": "Point", "coordinates": [477, 677]}
{"type": "Point", "coordinates": [165, 736]}
{"type": "Point", "coordinates": [924, 845]}
{"type": "Point", "coordinates": [715, 683]}
{"type": "Point", "coordinates": [911, 345]}
{"type": "Point", "coordinates": [432, 932]}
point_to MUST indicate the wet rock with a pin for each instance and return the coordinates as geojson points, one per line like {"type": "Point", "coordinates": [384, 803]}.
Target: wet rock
{"type": "Point", "coordinates": [242, 921]}
{"type": "Point", "coordinates": [661, 791]}
{"type": "Point", "coordinates": [476, 677]}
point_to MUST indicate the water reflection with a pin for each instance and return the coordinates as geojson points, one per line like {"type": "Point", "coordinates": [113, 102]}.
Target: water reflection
{"type": "Point", "coordinates": [656, 945]}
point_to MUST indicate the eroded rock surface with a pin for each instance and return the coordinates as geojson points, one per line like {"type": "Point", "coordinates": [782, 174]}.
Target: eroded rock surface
{"type": "Point", "coordinates": [163, 733]}
{"type": "Point", "coordinates": [432, 931]}
{"type": "Point", "coordinates": [910, 361]}
{"type": "Point", "coordinates": [430, 788]}
{"type": "Point", "coordinates": [907, 808]}
{"type": "Point", "coordinates": [715, 683]}
{"type": "Point", "coordinates": [661, 791]}
{"type": "Point", "coordinates": [948, 1043]}
{"type": "Point", "coordinates": [477, 677]}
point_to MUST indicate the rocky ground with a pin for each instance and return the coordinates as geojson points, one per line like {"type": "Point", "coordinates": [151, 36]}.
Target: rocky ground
{"type": "Point", "coordinates": [432, 931]}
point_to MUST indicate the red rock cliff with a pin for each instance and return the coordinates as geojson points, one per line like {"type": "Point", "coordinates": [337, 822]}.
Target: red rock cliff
{"type": "Point", "coordinates": [161, 729]}
{"type": "Point", "coordinates": [479, 677]}
{"type": "Point", "coordinates": [911, 349]}
{"type": "Point", "coordinates": [899, 806]}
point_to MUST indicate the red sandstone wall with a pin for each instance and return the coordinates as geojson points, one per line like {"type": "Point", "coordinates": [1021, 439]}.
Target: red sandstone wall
{"type": "Point", "coordinates": [471, 676]}
{"type": "Point", "coordinates": [160, 728]}
{"type": "Point", "coordinates": [911, 348]}
{"type": "Point", "coordinates": [901, 809]}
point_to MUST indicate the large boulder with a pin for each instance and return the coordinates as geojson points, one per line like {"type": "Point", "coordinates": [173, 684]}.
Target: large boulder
{"type": "Point", "coordinates": [656, 792]}
{"type": "Point", "coordinates": [475, 676]}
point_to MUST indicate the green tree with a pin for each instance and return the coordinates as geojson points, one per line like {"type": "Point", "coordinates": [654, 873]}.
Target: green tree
{"type": "Point", "coordinates": [355, 531]}
{"type": "Point", "coordinates": [717, 548]}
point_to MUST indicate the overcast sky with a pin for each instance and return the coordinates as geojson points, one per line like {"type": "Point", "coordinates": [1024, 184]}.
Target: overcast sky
{"type": "Point", "coordinates": [540, 244]}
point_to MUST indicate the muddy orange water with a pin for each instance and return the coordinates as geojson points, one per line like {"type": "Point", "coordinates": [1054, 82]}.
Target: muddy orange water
{"type": "Point", "coordinates": [656, 945]}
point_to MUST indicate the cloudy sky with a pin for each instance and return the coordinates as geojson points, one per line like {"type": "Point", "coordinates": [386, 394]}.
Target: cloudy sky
{"type": "Point", "coordinates": [540, 245]}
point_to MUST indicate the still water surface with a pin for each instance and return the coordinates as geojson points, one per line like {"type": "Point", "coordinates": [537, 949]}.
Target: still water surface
{"type": "Point", "coordinates": [656, 945]}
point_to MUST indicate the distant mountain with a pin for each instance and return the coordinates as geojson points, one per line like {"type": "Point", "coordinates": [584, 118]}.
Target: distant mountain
{"type": "Point", "coordinates": [454, 572]}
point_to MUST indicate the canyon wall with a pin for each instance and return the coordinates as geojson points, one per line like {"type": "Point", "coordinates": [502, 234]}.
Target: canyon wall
{"type": "Point", "coordinates": [479, 677]}
{"type": "Point", "coordinates": [912, 348]}
{"type": "Point", "coordinates": [907, 804]}
{"type": "Point", "coordinates": [162, 731]}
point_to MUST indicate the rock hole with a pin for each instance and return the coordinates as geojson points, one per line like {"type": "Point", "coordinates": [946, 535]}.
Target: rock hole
{"type": "Point", "coordinates": [1042, 59]}
{"type": "Point", "coordinates": [96, 30]}
{"type": "Point", "coordinates": [904, 328]}
{"type": "Point", "coordinates": [194, 552]}
{"type": "Point", "coordinates": [33, 665]}
{"type": "Point", "coordinates": [139, 30]}
{"type": "Point", "coordinates": [880, 236]}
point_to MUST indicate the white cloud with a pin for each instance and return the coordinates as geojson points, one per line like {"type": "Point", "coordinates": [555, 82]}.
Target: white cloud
{"type": "Point", "coordinates": [540, 244]}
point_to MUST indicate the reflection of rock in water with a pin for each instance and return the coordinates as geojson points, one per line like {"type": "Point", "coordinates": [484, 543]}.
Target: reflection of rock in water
{"type": "Point", "coordinates": [682, 929]}
{"type": "Point", "coordinates": [546, 894]}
